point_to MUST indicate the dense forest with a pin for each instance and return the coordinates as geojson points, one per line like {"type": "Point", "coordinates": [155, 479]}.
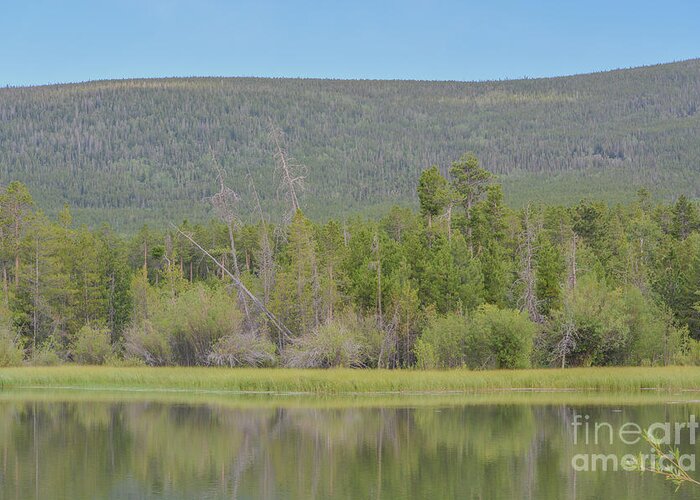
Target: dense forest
{"type": "Point", "coordinates": [463, 281]}
{"type": "Point", "coordinates": [135, 151]}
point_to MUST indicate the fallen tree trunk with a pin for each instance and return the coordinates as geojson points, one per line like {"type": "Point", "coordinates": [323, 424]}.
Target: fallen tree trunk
{"type": "Point", "coordinates": [237, 282]}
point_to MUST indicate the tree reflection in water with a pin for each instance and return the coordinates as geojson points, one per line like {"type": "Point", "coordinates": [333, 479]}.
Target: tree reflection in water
{"type": "Point", "coordinates": [91, 449]}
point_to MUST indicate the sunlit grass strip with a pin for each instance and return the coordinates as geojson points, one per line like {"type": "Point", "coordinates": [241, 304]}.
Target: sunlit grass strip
{"type": "Point", "coordinates": [351, 381]}
{"type": "Point", "coordinates": [257, 401]}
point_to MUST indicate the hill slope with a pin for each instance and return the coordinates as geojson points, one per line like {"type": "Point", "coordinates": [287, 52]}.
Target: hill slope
{"type": "Point", "coordinates": [135, 150]}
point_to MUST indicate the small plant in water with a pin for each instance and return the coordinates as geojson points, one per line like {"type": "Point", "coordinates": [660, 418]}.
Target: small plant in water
{"type": "Point", "coordinates": [667, 465]}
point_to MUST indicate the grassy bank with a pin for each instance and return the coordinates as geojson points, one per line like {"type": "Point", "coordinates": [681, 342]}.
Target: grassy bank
{"type": "Point", "coordinates": [338, 381]}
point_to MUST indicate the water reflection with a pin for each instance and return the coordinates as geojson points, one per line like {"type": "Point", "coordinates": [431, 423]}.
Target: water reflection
{"type": "Point", "coordinates": [150, 449]}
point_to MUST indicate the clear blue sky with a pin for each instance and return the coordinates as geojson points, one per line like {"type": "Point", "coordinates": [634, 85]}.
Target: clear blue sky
{"type": "Point", "coordinates": [53, 41]}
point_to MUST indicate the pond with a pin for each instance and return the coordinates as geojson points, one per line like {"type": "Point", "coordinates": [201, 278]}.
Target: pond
{"type": "Point", "coordinates": [89, 445]}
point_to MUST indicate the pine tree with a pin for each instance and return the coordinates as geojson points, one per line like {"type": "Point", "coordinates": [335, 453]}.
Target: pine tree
{"type": "Point", "coordinates": [331, 254]}
{"type": "Point", "coordinates": [452, 280]}
{"type": "Point", "coordinates": [469, 181]}
{"type": "Point", "coordinates": [432, 193]}
{"type": "Point", "coordinates": [685, 218]}
{"type": "Point", "coordinates": [490, 239]}
{"type": "Point", "coordinates": [15, 209]}
{"type": "Point", "coordinates": [678, 280]}
{"type": "Point", "coordinates": [296, 296]}
{"type": "Point", "coordinates": [550, 275]}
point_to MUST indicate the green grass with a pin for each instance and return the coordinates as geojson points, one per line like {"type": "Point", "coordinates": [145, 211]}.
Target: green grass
{"type": "Point", "coordinates": [243, 401]}
{"type": "Point", "coordinates": [346, 381]}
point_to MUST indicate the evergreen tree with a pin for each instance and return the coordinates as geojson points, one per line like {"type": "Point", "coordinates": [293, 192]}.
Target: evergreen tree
{"type": "Point", "coordinates": [15, 206]}
{"type": "Point", "coordinates": [296, 297]}
{"type": "Point", "coordinates": [469, 181]}
{"type": "Point", "coordinates": [550, 275]}
{"type": "Point", "coordinates": [685, 218]}
{"type": "Point", "coordinates": [452, 280]}
{"type": "Point", "coordinates": [432, 193]}
{"type": "Point", "coordinates": [490, 238]}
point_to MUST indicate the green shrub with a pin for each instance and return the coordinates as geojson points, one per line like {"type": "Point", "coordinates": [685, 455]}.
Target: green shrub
{"type": "Point", "coordinates": [118, 361]}
{"type": "Point", "coordinates": [489, 338]}
{"type": "Point", "coordinates": [654, 338]}
{"type": "Point", "coordinates": [11, 353]}
{"type": "Point", "coordinates": [45, 354]}
{"type": "Point", "coordinates": [620, 326]}
{"type": "Point", "coordinates": [690, 353]}
{"type": "Point", "coordinates": [242, 350]}
{"type": "Point", "coordinates": [507, 335]}
{"type": "Point", "coordinates": [443, 342]}
{"type": "Point", "coordinates": [347, 341]}
{"type": "Point", "coordinates": [426, 358]}
{"type": "Point", "coordinates": [195, 320]}
{"type": "Point", "coordinates": [183, 325]}
{"type": "Point", "coordinates": [144, 342]}
{"type": "Point", "coordinates": [91, 345]}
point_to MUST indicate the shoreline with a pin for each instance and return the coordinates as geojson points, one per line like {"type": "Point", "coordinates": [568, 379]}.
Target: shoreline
{"type": "Point", "coordinates": [351, 382]}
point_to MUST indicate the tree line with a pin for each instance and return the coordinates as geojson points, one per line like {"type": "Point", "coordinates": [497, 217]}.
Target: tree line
{"type": "Point", "coordinates": [463, 281]}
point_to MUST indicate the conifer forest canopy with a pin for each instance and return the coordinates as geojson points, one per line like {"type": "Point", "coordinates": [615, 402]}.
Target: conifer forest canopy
{"type": "Point", "coordinates": [134, 151]}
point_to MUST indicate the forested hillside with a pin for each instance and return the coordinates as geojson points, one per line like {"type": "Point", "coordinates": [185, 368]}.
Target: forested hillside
{"type": "Point", "coordinates": [131, 151]}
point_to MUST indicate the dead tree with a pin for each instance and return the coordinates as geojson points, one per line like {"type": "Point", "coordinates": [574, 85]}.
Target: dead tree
{"type": "Point", "coordinates": [224, 203]}
{"type": "Point", "coordinates": [527, 274]}
{"type": "Point", "coordinates": [291, 174]}
{"type": "Point", "coordinates": [567, 343]}
{"type": "Point", "coordinates": [447, 216]}
{"type": "Point", "coordinates": [284, 331]}
{"type": "Point", "coordinates": [6, 292]}
{"type": "Point", "coordinates": [390, 344]}
{"type": "Point", "coordinates": [377, 266]}
{"type": "Point", "coordinates": [266, 264]}
{"type": "Point", "coordinates": [569, 333]}
{"type": "Point", "coordinates": [452, 199]}
{"type": "Point", "coordinates": [571, 280]}
{"type": "Point", "coordinates": [35, 299]}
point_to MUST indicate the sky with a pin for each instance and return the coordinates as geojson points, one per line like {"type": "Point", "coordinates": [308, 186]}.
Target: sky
{"type": "Point", "coordinates": [62, 41]}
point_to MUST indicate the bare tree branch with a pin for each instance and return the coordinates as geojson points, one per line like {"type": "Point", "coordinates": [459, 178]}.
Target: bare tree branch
{"type": "Point", "coordinates": [224, 203]}
{"type": "Point", "coordinates": [291, 174]}
{"type": "Point", "coordinates": [527, 272]}
{"type": "Point", "coordinates": [266, 264]}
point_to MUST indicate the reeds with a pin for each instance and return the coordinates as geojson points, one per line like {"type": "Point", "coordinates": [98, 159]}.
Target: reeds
{"type": "Point", "coordinates": [348, 381]}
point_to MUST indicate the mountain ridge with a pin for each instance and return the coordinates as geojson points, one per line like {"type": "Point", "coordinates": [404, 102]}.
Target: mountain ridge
{"type": "Point", "coordinates": [331, 79]}
{"type": "Point", "coordinates": [129, 151]}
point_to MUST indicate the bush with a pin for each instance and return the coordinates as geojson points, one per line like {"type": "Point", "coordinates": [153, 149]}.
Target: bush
{"type": "Point", "coordinates": [594, 321]}
{"type": "Point", "coordinates": [348, 341]}
{"type": "Point", "coordinates": [242, 350]}
{"type": "Point", "coordinates": [11, 353]}
{"type": "Point", "coordinates": [490, 338]}
{"type": "Point", "coordinates": [144, 342]}
{"type": "Point", "coordinates": [654, 338]}
{"type": "Point", "coordinates": [507, 335]}
{"type": "Point", "coordinates": [91, 345]}
{"type": "Point", "coordinates": [45, 355]}
{"type": "Point", "coordinates": [118, 361]}
{"type": "Point", "coordinates": [184, 327]}
{"type": "Point", "coordinates": [195, 320]}
{"type": "Point", "coordinates": [443, 342]}
{"type": "Point", "coordinates": [690, 353]}
{"type": "Point", "coordinates": [609, 327]}
{"type": "Point", "coordinates": [426, 357]}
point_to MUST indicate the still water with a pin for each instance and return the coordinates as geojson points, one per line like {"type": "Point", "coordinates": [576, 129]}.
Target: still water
{"type": "Point", "coordinates": [93, 445]}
